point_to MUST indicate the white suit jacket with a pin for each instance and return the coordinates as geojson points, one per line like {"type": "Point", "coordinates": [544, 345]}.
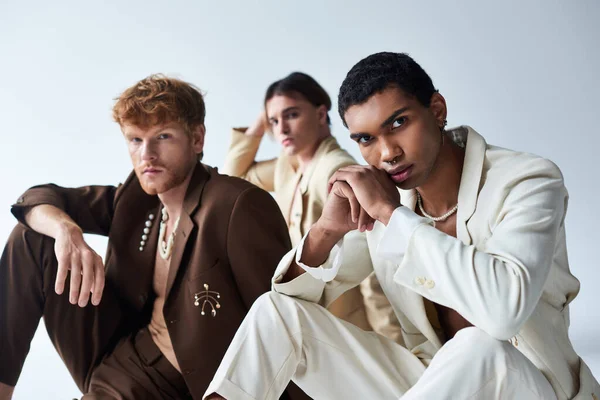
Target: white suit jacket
{"type": "Point", "coordinates": [506, 272]}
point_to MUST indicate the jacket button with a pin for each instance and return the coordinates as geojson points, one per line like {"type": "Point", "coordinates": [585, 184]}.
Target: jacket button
{"type": "Point", "coordinates": [172, 321]}
{"type": "Point", "coordinates": [419, 281]}
{"type": "Point", "coordinates": [429, 284]}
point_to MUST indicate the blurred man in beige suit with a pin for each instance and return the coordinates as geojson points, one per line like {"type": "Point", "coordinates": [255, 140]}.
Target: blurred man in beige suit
{"type": "Point", "coordinates": [296, 112]}
{"type": "Point", "coordinates": [468, 242]}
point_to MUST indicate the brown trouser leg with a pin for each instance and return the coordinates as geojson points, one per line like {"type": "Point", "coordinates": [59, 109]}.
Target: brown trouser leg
{"type": "Point", "coordinates": [136, 369]}
{"type": "Point", "coordinates": [82, 336]}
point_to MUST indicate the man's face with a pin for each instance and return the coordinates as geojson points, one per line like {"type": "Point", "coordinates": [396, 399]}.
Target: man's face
{"type": "Point", "coordinates": [164, 155]}
{"type": "Point", "coordinates": [398, 134]}
{"type": "Point", "coordinates": [295, 122]}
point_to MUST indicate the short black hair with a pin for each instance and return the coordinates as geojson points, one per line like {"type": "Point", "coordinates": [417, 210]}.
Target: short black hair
{"type": "Point", "coordinates": [303, 84]}
{"type": "Point", "coordinates": [379, 71]}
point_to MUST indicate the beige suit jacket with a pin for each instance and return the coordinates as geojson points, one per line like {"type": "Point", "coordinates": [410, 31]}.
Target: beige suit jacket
{"type": "Point", "coordinates": [506, 272]}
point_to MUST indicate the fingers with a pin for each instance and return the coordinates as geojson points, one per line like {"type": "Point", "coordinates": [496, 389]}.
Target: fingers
{"type": "Point", "coordinates": [359, 215]}
{"type": "Point", "coordinates": [354, 175]}
{"type": "Point", "coordinates": [75, 278]}
{"type": "Point", "coordinates": [345, 174]}
{"type": "Point", "coordinates": [87, 280]}
{"type": "Point", "coordinates": [87, 270]}
{"type": "Point", "coordinates": [365, 222]}
{"type": "Point", "coordinates": [61, 274]}
{"type": "Point", "coordinates": [98, 287]}
{"type": "Point", "coordinates": [346, 191]}
{"type": "Point", "coordinates": [371, 226]}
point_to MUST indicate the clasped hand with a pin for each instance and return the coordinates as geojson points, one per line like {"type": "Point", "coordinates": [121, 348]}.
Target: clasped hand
{"type": "Point", "coordinates": [358, 196]}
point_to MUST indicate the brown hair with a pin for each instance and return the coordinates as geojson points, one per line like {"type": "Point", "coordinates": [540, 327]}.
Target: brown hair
{"type": "Point", "coordinates": [303, 84]}
{"type": "Point", "coordinates": [158, 100]}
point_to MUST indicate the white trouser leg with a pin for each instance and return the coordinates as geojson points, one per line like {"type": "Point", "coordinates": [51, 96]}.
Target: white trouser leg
{"type": "Point", "coordinates": [473, 365]}
{"type": "Point", "coordinates": [283, 339]}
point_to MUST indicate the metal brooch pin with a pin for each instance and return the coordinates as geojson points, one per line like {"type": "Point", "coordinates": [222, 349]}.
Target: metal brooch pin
{"type": "Point", "coordinates": [207, 297]}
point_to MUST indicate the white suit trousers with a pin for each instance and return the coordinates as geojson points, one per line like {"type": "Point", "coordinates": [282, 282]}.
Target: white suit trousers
{"type": "Point", "coordinates": [283, 338]}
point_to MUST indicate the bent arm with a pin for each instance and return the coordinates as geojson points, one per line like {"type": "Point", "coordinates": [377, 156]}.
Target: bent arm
{"type": "Point", "coordinates": [89, 207]}
{"type": "Point", "coordinates": [240, 161]}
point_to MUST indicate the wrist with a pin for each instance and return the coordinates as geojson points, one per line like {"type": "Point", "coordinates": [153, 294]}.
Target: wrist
{"type": "Point", "coordinates": [386, 213]}
{"type": "Point", "coordinates": [255, 129]}
{"type": "Point", "coordinates": [323, 234]}
{"type": "Point", "coordinates": [317, 246]}
{"type": "Point", "coordinates": [68, 229]}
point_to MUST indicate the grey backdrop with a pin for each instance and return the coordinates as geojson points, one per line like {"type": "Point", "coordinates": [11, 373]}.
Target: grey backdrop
{"type": "Point", "coordinates": [523, 73]}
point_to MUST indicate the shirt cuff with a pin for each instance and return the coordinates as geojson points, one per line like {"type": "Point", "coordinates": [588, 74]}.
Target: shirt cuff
{"type": "Point", "coordinates": [399, 229]}
{"type": "Point", "coordinates": [329, 269]}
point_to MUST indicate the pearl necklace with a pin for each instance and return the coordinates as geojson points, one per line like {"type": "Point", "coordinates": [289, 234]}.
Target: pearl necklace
{"type": "Point", "coordinates": [435, 219]}
{"type": "Point", "coordinates": [165, 247]}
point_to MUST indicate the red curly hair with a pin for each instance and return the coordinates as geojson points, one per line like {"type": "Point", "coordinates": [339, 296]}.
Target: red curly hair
{"type": "Point", "coordinates": [158, 100]}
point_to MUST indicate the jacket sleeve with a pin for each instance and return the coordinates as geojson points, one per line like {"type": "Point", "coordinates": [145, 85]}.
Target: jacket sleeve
{"type": "Point", "coordinates": [91, 207]}
{"type": "Point", "coordinates": [240, 162]}
{"type": "Point", "coordinates": [257, 238]}
{"type": "Point", "coordinates": [348, 264]}
{"type": "Point", "coordinates": [497, 285]}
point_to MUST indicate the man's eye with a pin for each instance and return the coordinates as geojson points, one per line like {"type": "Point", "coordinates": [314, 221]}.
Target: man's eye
{"type": "Point", "coordinates": [398, 122]}
{"type": "Point", "coordinates": [135, 140]}
{"type": "Point", "coordinates": [363, 139]}
{"type": "Point", "coordinates": [163, 136]}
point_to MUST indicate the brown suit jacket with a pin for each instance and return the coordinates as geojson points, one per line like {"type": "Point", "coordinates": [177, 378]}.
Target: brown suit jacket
{"type": "Point", "coordinates": [231, 237]}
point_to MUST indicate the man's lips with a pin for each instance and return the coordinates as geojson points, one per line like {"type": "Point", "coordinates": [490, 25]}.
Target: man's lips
{"type": "Point", "coordinates": [287, 142]}
{"type": "Point", "coordinates": [151, 170]}
{"type": "Point", "coordinates": [400, 173]}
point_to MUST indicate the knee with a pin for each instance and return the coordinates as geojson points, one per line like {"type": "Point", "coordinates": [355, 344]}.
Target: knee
{"type": "Point", "coordinates": [272, 300]}
{"type": "Point", "coordinates": [18, 234]}
{"type": "Point", "coordinates": [26, 247]}
{"type": "Point", "coordinates": [22, 235]}
{"type": "Point", "coordinates": [271, 304]}
{"type": "Point", "coordinates": [485, 344]}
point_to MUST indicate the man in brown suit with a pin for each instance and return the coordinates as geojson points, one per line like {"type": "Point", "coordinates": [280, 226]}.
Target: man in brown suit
{"type": "Point", "coordinates": [189, 251]}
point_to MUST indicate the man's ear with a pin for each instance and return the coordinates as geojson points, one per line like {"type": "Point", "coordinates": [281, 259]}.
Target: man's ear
{"type": "Point", "coordinates": [198, 134]}
{"type": "Point", "coordinates": [438, 108]}
{"type": "Point", "coordinates": [322, 114]}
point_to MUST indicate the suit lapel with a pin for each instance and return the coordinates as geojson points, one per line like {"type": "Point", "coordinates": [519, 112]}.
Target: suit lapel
{"type": "Point", "coordinates": [325, 147]}
{"type": "Point", "coordinates": [470, 182]}
{"type": "Point", "coordinates": [186, 224]}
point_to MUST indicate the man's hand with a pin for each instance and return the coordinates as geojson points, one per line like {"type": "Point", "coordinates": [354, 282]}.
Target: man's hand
{"type": "Point", "coordinates": [86, 266]}
{"type": "Point", "coordinates": [342, 212]}
{"type": "Point", "coordinates": [72, 253]}
{"type": "Point", "coordinates": [260, 126]}
{"type": "Point", "coordinates": [374, 191]}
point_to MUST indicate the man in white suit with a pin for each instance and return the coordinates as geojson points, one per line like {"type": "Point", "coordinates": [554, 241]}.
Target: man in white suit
{"type": "Point", "coordinates": [470, 251]}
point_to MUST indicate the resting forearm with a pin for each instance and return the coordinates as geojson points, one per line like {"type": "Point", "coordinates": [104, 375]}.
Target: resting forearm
{"type": "Point", "coordinates": [49, 220]}
{"type": "Point", "coordinates": [317, 246]}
